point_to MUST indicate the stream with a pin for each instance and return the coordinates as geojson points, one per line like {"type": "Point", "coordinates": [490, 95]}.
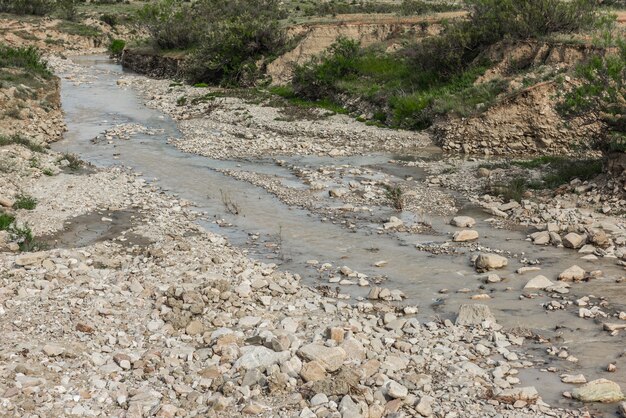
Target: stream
{"type": "Point", "coordinates": [94, 107]}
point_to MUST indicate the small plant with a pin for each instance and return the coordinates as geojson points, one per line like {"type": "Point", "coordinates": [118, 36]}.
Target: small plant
{"type": "Point", "coordinates": [231, 207]}
{"type": "Point", "coordinates": [25, 239]}
{"type": "Point", "coordinates": [201, 85]}
{"type": "Point", "coordinates": [109, 19]}
{"type": "Point", "coordinates": [513, 190]}
{"type": "Point", "coordinates": [73, 162]}
{"type": "Point", "coordinates": [47, 172]}
{"type": "Point", "coordinates": [5, 221]}
{"type": "Point", "coordinates": [395, 196]}
{"type": "Point", "coordinates": [181, 101]}
{"type": "Point", "coordinates": [25, 202]}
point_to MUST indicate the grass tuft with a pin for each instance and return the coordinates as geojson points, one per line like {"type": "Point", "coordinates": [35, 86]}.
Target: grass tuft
{"type": "Point", "coordinates": [20, 140]}
{"type": "Point", "coordinates": [25, 202]}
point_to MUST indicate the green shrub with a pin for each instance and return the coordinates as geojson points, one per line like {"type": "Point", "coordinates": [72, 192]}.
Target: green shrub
{"type": "Point", "coordinates": [109, 19]}
{"type": "Point", "coordinates": [241, 33]}
{"type": "Point", "coordinates": [28, 58]}
{"type": "Point", "coordinates": [317, 78]}
{"type": "Point", "coordinates": [73, 162]}
{"type": "Point", "coordinates": [25, 202]}
{"type": "Point", "coordinates": [491, 21]}
{"type": "Point", "coordinates": [116, 47]}
{"type": "Point", "coordinates": [5, 221]}
{"type": "Point", "coordinates": [67, 9]}
{"type": "Point", "coordinates": [27, 7]}
{"type": "Point", "coordinates": [602, 93]}
{"type": "Point", "coordinates": [20, 140]}
{"type": "Point", "coordinates": [171, 24]}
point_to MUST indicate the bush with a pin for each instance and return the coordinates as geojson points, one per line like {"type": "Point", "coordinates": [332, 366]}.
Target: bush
{"type": "Point", "coordinates": [171, 24]}
{"type": "Point", "coordinates": [602, 94]}
{"type": "Point", "coordinates": [239, 34]}
{"type": "Point", "coordinates": [491, 21]}
{"type": "Point", "coordinates": [116, 47]}
{"type": "Point", "coordinates": [27, 58]}
{"type": "Point", "coordinates": [20, 140]}
{"type": "Point", "coordinates": [27, 7]}
{"type": "Point", "coordinates": [317, 78]}
{"type": "Point", "coordinates": [109, 19]}
{"type": "Point", "coordinates": [67, 9]}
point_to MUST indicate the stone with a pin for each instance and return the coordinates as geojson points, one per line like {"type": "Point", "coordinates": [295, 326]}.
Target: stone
{"type": "Point", "coordinates": [312, 371]}
{"type": "Point", "coordinates": [538, 283]}
{"type": "Point", "coordinates": [424, 406]}
{"type": "Point", "coordinates": [483, 172]}
{"type": "Point", "coordinates": [259, 357]}
{"type": "Point", "coordinates": [30, 259]}
{"type": "Point", "coordinates": [474, 314]}
{"type": "Point", "coordinates": [574, 240]}
{"type": "Point", "coordinates": [572, 274]}
{"type": "Point", "coordinates": [6, 202]}
{"type": "Point", "coordinates": [487, 261]}
{"type": "Point", "coordinates": [573, 378]}
{"type": "Point", "coordinates": [393, 222]}
{"type": "Point", "coordinates": [52, 350]}
{"type": "Point", "coordinates": [465, 235]}
{"type": "Point", "coordinates": [319, 399]}
{"type": "Point", "coordinates": [337, 192]}
{"type": "Point", "coordinates": [395, 390]}
{"type": "Point", "coordinates": [528, 394]}
{"type": "Point", "coordinates": [541, 238]}
{"type": "Point", "coordinates": [599, 390]}
{"type": "Point", "coordinates": [463, 221]}
{"type": "Point", "coordinates": [330, 357]}
{"type": "Point", "coordinates": [194, 328]}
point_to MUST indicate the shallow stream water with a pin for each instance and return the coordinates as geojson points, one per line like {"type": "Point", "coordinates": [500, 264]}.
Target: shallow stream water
{"type": "Point", "coordinates": [101, 104]}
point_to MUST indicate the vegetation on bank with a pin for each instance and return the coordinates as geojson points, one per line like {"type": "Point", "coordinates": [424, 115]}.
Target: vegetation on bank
{"type": "Point", "coordinates": [24, 58]}
{"type": "Point", "coordinates": [406, 7]}
{"type": "Point", "coordinates": [556, 171]}
{"type": "Point", "coordinates": [228, 40]}
{"type": "Point", "coordinates": [423, 81]}
{"type": "Point", "coordinates": [601, 92]}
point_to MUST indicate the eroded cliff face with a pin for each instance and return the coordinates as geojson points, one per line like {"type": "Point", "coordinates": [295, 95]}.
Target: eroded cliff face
{"type": "Point", "coordinates": [152, 64]}
{"type": "Point", "coordinates": [524, 120]}
{"type": "Point", "coordinates": [316, 38]}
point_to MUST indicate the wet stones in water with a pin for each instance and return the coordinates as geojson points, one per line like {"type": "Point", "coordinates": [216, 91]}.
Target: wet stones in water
{"type": "Point", "coordinates": [465, 235]}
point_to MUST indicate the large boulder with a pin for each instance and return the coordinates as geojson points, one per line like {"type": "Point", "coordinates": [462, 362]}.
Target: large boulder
{"type": "Point", "coordinates": [474, 314]}
{"type": "Point", "coordinates": [600, 390]}
{"type": "Point", "coordinates": [487, 261]}
{"type": "Point", "coordinates": [465, 235]}
{"type": "Point", "coordinates": [574, 240]}
{"type": "Point", "coordinates": [572, 274]}
{"type": "Point", "coordinates": [538, 283]}
{"type": "Point", "coordinates": [331, 358]}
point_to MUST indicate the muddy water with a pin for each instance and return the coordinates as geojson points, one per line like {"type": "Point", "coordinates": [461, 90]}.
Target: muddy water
{"type": "Point", "coordinates": [101, 104]}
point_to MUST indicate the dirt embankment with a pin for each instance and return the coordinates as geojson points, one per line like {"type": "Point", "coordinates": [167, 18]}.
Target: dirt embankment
{"type": "Point", "coordinates": [525, 119]}
{"type": "Point", "coordinates": [146, 61]}
{"type": "Point", "coordinates": [316, 38]}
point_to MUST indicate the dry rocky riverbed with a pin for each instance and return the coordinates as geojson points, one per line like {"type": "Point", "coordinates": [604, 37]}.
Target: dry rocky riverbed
{"type": "Point", "coordinates": [168, 319]}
